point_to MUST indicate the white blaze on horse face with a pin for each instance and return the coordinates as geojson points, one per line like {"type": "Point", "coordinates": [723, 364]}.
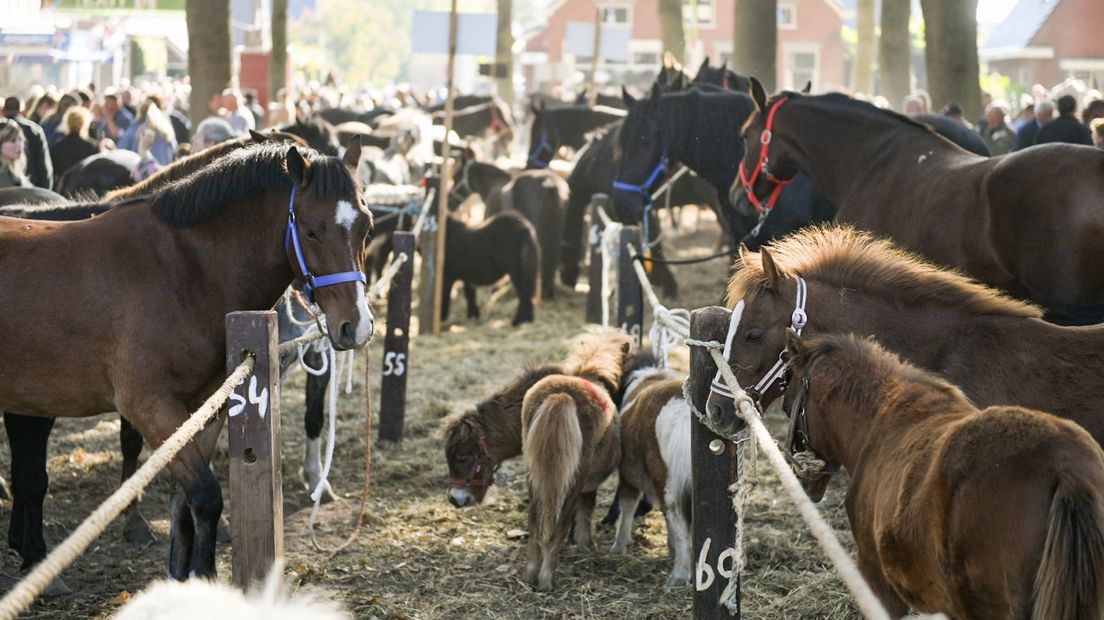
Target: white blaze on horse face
{"type": "Point", "coordinates": [461, 498]}
{"type": "Point", "coordinates": [346, 214]}
{"type": "Point", "coordinates": [365, 321]}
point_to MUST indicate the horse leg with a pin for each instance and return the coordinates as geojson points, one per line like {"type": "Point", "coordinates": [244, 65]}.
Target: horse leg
{"type": "Point", "coordinates": [524, 275]}
{"type": "Point", "coordinates": [626, 500]}
{"type": "Point", "coordinates": [680, 543]}
{"type": "Point", "coordinates": [533, 559]}
{"type": "Point", "coordinates": [574, 231]}
{"type": "Point", "coordinates": [135, 527]}
{"type": "Point", "coordinates": [473, 302]}
{"type": "Point", "coordinates": [446, 294]}
{"type": "Point", "coordinates": [584, 515]}
{"type": "Point", "coordinates": [28, 437]}
{"type": "Point", "coordinates": [554, 541]}
{"type": "Point", "coordinates": [311, 473]}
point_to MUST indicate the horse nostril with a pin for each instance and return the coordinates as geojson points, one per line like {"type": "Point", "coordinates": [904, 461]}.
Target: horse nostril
{"type": "Point", "coordinates": [348, 333]}
{"type": "Point", "coordinates": [454, 501]}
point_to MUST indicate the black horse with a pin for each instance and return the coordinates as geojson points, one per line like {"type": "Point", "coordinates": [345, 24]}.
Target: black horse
{"type": "Point", "coordinates": [568, 126]}
{"type": "Point", "coordinates": [538, 195]}
{"type": "Point", "coordinates": [337, 116]}
{"type": "Point", "coordinates": [316, 131]}
{"type": "Point", "coordinates": [29, 196]}
{"type": "Point", "coordinates": [98, 174]}
{"type": "Point", "coordinates": [721, 76]}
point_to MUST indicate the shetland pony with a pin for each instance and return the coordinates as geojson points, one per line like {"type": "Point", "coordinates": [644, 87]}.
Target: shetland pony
{"type": "Point", "coordinates": [571, 444]}
{"type": "Point", "coordinates": [655, 461]}
{"type": "Point", "coordinates": [481, 254]}
{"type": "Point", "coordinates": [976, 513]}
{"type": "Point", "coordinates": [481, 438]}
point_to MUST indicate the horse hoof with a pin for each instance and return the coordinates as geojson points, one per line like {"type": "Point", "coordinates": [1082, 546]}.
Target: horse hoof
{"type": "Point", "coordinates": [138, 535]}
{"type": "Point", "coordinates": [677, 581]}
{"type": "Point", "coordinates": [328, 494]}
{"type": "Point", "coordinates": [56, 588]}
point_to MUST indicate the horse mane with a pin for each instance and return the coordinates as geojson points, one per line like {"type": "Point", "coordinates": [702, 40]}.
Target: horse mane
{"type": "Point", "coordinates": [176, 170]}
{"type": "Point", "coordinates": [850, 103]}
{"type": "Point", "coordinates": [241, 174]}
{"type": "Point", "coordinates": [722, 110]}
{"type": "Point", "coordinates": [845, 257]}
{"type": "Point", "coordinates": [600, 354]}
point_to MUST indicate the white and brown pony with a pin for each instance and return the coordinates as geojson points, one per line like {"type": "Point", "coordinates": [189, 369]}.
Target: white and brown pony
{"type": "Point", "coordinates": [571, 445]}
{"type": "Point", "coordinates": [655, 461]}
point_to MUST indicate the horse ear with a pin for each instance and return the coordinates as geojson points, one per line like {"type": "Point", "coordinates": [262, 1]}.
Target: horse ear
{"type": "Point", "coordinates": [298, 168]}
{"type": "Point", "coordinates": [704, 65]}
{"type": "Point", "coordinates": [770, 270]}
{"type": "Point", "coordinates": [743, 252]}
{"type": "Point", "coordinates": [352, 152]}
{"type": "Point", "coordinates": [808, 88]}
{"type": "Point", "coordinates": [627, 98]}
{"type": "Point", "coordinates": [257, 136]}
{"type": "Point", "coordinates": [758, 95]}
{"type": "Point", "coordinates": [797, 350]}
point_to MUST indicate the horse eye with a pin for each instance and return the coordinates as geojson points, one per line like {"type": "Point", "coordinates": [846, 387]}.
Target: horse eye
{"type": "Point", "coordinates": [311, 235]}
{"type": "Point", "coordinates": [755, 336]}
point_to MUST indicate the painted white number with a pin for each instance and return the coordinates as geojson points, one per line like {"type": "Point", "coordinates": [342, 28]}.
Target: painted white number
{"type": "Point", "coordinates": [394, 364]}
{"type": "Point", "coordinates": [705, 572]}
{"type": "Point", "coordinates": [259, 399]}
{"type": "Point", "coordinates": [633, 330]}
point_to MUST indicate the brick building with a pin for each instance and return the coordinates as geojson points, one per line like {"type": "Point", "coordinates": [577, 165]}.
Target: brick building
{"type": "Point", "coordinates": [809, 43]}
{"type": "Point", "coordinates": [1047, 41]}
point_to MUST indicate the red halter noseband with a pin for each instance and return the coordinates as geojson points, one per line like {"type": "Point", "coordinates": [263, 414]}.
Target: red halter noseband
{"type": "Point", "coordinates": [749, 184]}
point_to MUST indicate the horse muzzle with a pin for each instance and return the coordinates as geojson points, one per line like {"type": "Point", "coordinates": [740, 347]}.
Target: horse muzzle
{"type": "Point", "coordinates": [461, 498]}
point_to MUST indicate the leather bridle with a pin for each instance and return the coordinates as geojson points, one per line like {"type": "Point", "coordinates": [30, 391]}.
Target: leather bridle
{"type": "Point", "coordinates": [748, 182]}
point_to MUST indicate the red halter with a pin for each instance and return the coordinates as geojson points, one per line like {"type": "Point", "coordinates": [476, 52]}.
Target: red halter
{"type": "Point", "coordinates": [484, 461]}
{"type": "Point", "coordinates": [749, 184]}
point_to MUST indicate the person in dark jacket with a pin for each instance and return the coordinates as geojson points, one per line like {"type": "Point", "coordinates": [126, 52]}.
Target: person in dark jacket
{"type": "Point", "coordinates": [1067, 127]}
{"type": "Point", "coordinates": [75, 145]}
{"type": "Point", "coordinates": [40, 169]}
{"type": "Point", "coordinates": [1025, 136]}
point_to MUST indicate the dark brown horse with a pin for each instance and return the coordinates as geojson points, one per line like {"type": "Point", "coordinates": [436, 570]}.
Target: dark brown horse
{"type": "Point", "coordinates": [486, 120]}
{"type": "Point", "coordinates": [176, 263]}
{"type": "Point", "coordinates": [1030, 223]}
{"type": "Point", "coordinates": [997, 349]}
{"type": "Point", "coordinates": [975, 513]}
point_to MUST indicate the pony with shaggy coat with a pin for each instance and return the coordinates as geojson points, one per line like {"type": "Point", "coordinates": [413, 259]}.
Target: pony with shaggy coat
{"type": "Point", "coordinates": [655, 461]}
{"type": "Point", "coordinates": [572, 444]}
{"type": "Point", "coordinates": [976, 513]}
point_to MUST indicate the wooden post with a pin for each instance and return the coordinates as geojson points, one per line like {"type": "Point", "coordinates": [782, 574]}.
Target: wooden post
{"type": "Point", "coordinates": [445, 181]}
{"type": "Point", "coordinates": [595, 273]}
{"type": "Point", "coordinates": [596, 52]}
{"type": "Point", "coordinates": [714, 465]}
{"type": "Point", "coordinates": [256, 491]}
{"type": "Point", "coordinates": [427, 275]}
{"type": "Point", "coordinates": [630, 297]}
{"type": "Point", "coordinates": [396, 343]}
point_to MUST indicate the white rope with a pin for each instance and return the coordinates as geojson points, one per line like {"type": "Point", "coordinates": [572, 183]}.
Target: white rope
{"type": "Point", "coordinates": [665, 188]}
{"type": "Point", "coordinates": [669, 327]}
{"type": "Point", "coordinates": [870, 605]}
{"type": "Point", "coordinates": [427, 206]}
{"type": "Point", "coordinates": [350, 360]}
{"type": "Point", "coordinates": [378, 290]}
{"type": "Point", "coordinates": [610, 240]}
{"type": "Point", "coordinates": [748, 468]}
{"type": "Point", "coordinates": [331, 439]}
{"type": "Point", "coordinates": [24, 593]}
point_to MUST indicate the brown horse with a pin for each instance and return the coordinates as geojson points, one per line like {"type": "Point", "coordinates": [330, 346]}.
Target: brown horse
{"type": "Point", "coordinates": [655, 461]}
{"type": "Point", "coordinates": [997, 349]}
{"type": "Point", "coordinates": [571, 445]}
{"type": "Point", "coordinates": [975, 513]}
{"type": "Point", "coordinates": [220, 240]}
{"type": "Point", "coordinates": [480, 439]}
{"type": "Point", "coordinates": [1029, 223]}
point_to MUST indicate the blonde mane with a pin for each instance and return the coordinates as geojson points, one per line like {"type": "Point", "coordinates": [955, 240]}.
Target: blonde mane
{"type": "Point", "coordinates": [846, 257]}
{"type": "Point", "coordinates": [599, 354]}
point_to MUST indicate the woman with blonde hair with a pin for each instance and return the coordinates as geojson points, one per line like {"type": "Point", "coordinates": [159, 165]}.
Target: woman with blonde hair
{"type": "Point", "coordinates": [13, 161]}
{"type": "Point", "coordinates": [76, 145]}
{"type": "Point", "coordinates": [150, 116]}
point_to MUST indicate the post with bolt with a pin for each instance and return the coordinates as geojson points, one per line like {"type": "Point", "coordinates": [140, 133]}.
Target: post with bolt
{"type": "Point", "coordinates": [714, 465]}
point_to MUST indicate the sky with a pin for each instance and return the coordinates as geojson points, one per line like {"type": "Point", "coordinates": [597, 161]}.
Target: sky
{"type": "Point", "coordinates": [993, 11]}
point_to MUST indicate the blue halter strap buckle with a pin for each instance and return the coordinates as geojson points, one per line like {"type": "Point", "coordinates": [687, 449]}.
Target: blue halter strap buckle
{"type": "Point", "coordinates": [312, 282]}
{"type": "Point", "coordinates": [542, 147]}
{"type": "Point", "coordinates": [645, 190]}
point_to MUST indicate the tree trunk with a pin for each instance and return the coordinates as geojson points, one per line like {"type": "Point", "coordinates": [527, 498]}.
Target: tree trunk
{"type": "Point", "coordinates": [504, 45]}
{"type": "Point", "coordinates": [209, 62]}
{"type": "Point", "coordinates": [895, 52]}
{"type": "Point", "coordinates": [277, 70]}
{"type": "Point", "coordinates": [755, 41]}
{"type": "Point", "coordinates": [950, 33]}
{"type": "Point", "coordinates": [670, 24]}
{"type": "Point", "coordinates": [864, 49]}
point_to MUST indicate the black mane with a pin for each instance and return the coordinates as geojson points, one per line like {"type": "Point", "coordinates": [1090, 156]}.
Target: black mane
{"type": "Point", "coordinates": [716, 153]}
{"type": "Point", "coordinates": [842, 100]}
{"type": "Point", "coordinates": [236, 177]}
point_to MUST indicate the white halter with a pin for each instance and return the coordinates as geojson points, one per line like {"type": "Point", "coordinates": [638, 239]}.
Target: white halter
{"type": "Point", "coordinates": [797, 322]}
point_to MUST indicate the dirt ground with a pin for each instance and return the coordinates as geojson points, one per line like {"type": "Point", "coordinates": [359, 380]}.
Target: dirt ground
{"type": "Point", "coordinates": [417, 556]}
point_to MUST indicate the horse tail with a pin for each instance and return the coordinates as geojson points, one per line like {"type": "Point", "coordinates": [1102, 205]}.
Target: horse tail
{"type": "Point", "coordinates": [553, 452]}
{"type": "Point", "coordinates": [1070, 579]}
{"type": "Point", "coordinates": [529, 262]}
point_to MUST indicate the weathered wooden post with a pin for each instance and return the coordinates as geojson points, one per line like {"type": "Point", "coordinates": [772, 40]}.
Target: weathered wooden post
{"type": "Point", "coordinates": [445, 181]}
{"type": "Point", "coordinates": [630, 297]}
{"type": "Point", "coordinates": [427, 245]}
{"type": "Point", "coordinates": [595, 272]}
{"type": "Point", "coordinates": [714, 465]}
{"type": "Point", "coordinates": [256, 491]}
{"type": "Point", "coordinates": [396, 343]}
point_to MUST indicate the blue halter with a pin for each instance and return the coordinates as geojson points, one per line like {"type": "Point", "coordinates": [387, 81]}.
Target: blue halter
{"type": "Point", "coordinates": [291, 240]}
{"type": "Point", "coordinates": [645, 190]}
{"type": "Point", "coordinates": [542, 147]}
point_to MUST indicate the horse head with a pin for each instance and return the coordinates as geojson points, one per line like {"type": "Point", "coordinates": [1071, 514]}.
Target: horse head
{"type": "Point", "coordinates": [769, 161]}
{"type": "Point", "coordinates": [470, 463]}
{"type": "Point", "coordinates": [807, 432]}
{"type": "Point", "coordinates": [640, 157]}
{"type": "Point", "coordinates": [328, 227]}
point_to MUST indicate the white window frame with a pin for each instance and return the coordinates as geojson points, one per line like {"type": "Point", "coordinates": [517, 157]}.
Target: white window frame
{"type": "Point", "coordinates": [789, 49]}
{"type": "Point", "coordinates": [792, 8]}
{"type": "Point", "coordinates": [649, 46]}
{"type": "Point", "coordinates": [620, 5]}
{"type": "Point", "coordinates": [709, 25]}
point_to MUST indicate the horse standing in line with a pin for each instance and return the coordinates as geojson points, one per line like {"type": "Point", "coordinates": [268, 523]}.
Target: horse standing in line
{"type": "Point", "coordinates": [224, 231]}
{"type": "Point", "coordinates": [490, 120]}
{"type": "Point", "coordinates": [1028, 222]}
{"type": "Point", "coordinates": [564, 126]}
{"type": "Point", "coordinates": [571, 445]}
{"type": "Point", "coordinates": [99, 174]}
{"type": "Point", "coordinates": [976, 513]}
{"type": "Point", "coordinates": [318, 134]}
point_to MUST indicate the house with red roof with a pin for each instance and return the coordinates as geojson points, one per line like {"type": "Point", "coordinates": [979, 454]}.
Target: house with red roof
{"type": "Point", "coordinates": [1048, 41]}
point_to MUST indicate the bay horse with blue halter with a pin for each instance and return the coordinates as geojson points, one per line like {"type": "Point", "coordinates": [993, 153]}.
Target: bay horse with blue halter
{"type": "Point", "coordinates": [1028, 222]}
{"type": "Point", "coordinates": [564, 126]}
{"type": "Point", "coordinates": [229, 237]}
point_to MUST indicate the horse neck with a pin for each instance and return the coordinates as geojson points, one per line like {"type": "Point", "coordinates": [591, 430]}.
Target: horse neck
{"type": "Point", "coordinates": [502, 427]}
{"type": "Point", "coordinates": [811, 129]}
{"type": "Point", "coordinates": [691, 137]}
{"type": "Point", "coordinates": [486, 179]}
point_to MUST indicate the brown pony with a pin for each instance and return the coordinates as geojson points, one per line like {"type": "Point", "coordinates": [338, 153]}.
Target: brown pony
{"type": "Point", "coordinates": [480, 439]}
{"type": "Point", "coordinates": [92, 301]}
{"type": "Point", "coordinates": [655, 461]}
{"type": "Point", "coordinates": [1029, 223]}
{"type": "Point", "coordinates": [571, 444]}
{"type": "Point", "coordinates": [976, 513]}
{"type": "Point", "coordinates": [997, 349]}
